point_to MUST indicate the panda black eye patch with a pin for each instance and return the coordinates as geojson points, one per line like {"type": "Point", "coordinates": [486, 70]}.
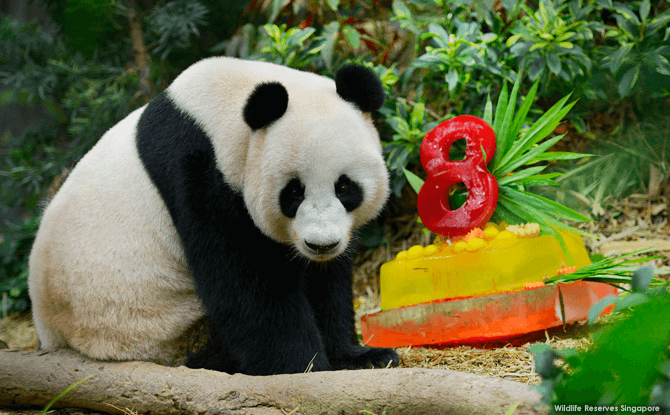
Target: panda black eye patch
{"type": "Point", "coordinates": [291, 197]}
{"type": "Point", "coordinates": [348, 192]}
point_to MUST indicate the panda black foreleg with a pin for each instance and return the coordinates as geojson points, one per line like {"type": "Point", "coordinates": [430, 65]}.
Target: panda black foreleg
{"type": "Point", "coordinates": [262, 328]}
{"type": "Point", "coordinates": [330, 292]}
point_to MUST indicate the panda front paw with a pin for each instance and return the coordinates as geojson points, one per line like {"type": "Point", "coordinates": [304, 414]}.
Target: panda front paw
{"type": "Point", "coordinates": [359, 357]}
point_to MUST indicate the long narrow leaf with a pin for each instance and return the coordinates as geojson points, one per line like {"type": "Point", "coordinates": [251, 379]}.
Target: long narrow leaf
{"type": "Point", "coordinates": [528, 157]}
{"type": "Point", "coordinates": [508, 135]}
{"type": "Point", "coordinates": [544, 129]}
{"type": "Point", "coordinates": [556, 208]}
{"type": "Point", "coordinates": [539, 130]}
{"type": "Point", "coordinates": [504, 214]}
{"type": "Point", "coordinates": [512, 178]}
{"type": "Point", "coordinates": [415, 181]}
{"type": "Point", "coordinates": [501, 107]}
{"type": "Point", "coordinates": [488, 111]}
{"type": "Point", "coordinates": [523, 112]}
{"type": "Point", "coordinates": [559, 155]}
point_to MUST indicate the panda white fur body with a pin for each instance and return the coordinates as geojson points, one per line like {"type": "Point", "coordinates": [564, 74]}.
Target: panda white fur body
{"type": "Point", "coordinates": [182, 236]}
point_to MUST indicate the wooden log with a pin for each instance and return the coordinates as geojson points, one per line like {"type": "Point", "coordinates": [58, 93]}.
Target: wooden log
{"type": "Point", "coordinates": [35, 378]}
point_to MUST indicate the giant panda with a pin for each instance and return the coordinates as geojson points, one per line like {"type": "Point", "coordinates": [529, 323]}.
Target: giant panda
{"type": "Point", "coordinates": [213, 227]}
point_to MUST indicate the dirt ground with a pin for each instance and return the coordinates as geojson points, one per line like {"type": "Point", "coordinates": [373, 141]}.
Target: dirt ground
{"type": "Point", "coordinates": [634, 223]}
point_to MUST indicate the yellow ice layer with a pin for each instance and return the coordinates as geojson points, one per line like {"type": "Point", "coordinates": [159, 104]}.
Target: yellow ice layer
{"type": "Point", "coordinates": [474, 268]}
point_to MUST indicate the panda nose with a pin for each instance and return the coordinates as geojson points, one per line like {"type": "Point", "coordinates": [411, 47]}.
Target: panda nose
{"type": "Point", "coordinates": [321, 249]}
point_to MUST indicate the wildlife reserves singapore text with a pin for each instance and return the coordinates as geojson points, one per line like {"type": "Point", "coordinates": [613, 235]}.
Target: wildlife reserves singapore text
{"type": "Point", "coordinates": [600, 409]}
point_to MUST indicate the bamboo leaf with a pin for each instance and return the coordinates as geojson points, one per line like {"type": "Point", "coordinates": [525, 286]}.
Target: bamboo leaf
{"type": "Point", "coordinates": [559, 155]}
{"type": "Point", "coordinates": [505, 132]}
{"type": "Point", "coordinates": [488, 111]}
{"type": "Point", "coordinates": [520, 175]}
{"type": "Point", "coordinates": [525, 107]}
{"type": "Point", "coordinates": [548, 121]}
{"type": "Point", "coordinates": [526, 158]}
{"type": "Point", "coordinates": [415, 181]}
{"type": "Point", "coordinates": [501, 107]}
{"type": "Point", "coordinates": [545, 204]}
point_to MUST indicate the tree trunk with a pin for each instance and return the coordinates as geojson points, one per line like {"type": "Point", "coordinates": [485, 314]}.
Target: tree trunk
{"type": "Point", "coordinates": [35, 378]}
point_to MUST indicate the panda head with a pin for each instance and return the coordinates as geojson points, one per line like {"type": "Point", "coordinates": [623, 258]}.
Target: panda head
{"type": "Point", "coordinates": [314, 169]}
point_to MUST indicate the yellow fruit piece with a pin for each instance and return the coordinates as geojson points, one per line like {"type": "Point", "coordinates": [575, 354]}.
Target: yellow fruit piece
{"type": "Point", "coordinates": [459, 247]}
{"type": "Point", "coordinates": [491, 232]}
{"type": "Point", "coordinates": [401, 255]}
{"type": "Point", "coordinates": [414, 251]}
{"type": "Point", "coordinates": [505, 235]}
{"type": "Point", "coordinates": [475, 244]}
{"type": "Point", "coordinates": [429, 250]}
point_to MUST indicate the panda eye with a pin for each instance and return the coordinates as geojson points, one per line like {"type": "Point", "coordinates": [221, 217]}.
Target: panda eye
{"type": "Point", "coordinates": [341, 188]}
{"type": "Point", "coordinates": [291, 197]}
{"type": "Point", "coordinates": [348, 192]}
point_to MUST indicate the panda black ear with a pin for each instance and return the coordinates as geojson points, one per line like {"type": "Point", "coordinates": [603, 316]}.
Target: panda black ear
{"type": "Point", "coordinates": [266, 104]}
{"type": "Point", "coordinates": [360, 86]}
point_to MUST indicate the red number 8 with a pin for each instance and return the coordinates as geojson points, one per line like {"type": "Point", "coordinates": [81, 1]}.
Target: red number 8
{"type": "Point", "coordinates": [443, 174]}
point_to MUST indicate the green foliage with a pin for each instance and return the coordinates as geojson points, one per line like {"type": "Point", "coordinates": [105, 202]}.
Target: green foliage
{"type": "Point", "coordinates": [287, 47]}
{"type": "Point", "coordinates": [638, 59]}
{"type": "Point", "coordinates": [15, 244]}
{"type": "Point", "coordinates": [409, 125]}
{"type": "Point", "coordinates": [174, 24]}
{"type": "Point", "coordinates": [625, 165]}
{"type": "Point", "coordinates": [628, 363]}
{"type": "Point", "coordinates": [550, 39]}
{"type": "Point", "coordinates": [614, 270]}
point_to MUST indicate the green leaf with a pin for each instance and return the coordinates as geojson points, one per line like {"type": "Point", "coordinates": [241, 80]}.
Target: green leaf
{"type": "Point", "coordinates": [413, 180]}
{"type": "Point", "coordinates": [554, 63]}
{"type": "Point", "coordinates": [401, 10]}
{"type": "Point", "coordinates": [506, 134]}
{"type": "Point", "coordinates": [628, 81]}
{"type": "Point", "coordinates": [644, 10]}
{"type": "Point", "coordinates": [641, 278]}
{"type": "Point", "coordinates": [488, 111]}
{"type": "Point", "coordinates": [543, 203]}
{"type": "Point", "coordinates": [520, 175]}
{"type": "Point", "coordinates": [333, 4]}
{"type": "Point", "coordinates": [631, 300]}
{"type": "Point", "coordinates": [330, 32]}
{"type": "Point", "coordinates": [512, 40]}
{"type": "Point", "coordinates": [452, 79]}
{"type": "Point", "coordinates": [618, 56]}
{"type": "Point", "coordinates": [500, 108]}
{"type": "Point", "coordinates": [539, 130]}
{"type": "Point", "coordinates": [538, 45]}
{"type": "Point", "coordinates": [274, 9]}
{"type": "Point", "coordinates": [536, 68]}
{"type": "Point", "coordinates": [527, 157]}
{"type": "Point", "coordinates": [598, 307]}
{"type": "Point", "coordinates": [520, 117]}
{"type": "Point", "coordinates": [627, 13]}
{"type": "Point", "coordinates": [558, 155]}
{"type": "Point", "coordinates": [352, 36]}
{"type": "Point", "coordinates": [417, 115]}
